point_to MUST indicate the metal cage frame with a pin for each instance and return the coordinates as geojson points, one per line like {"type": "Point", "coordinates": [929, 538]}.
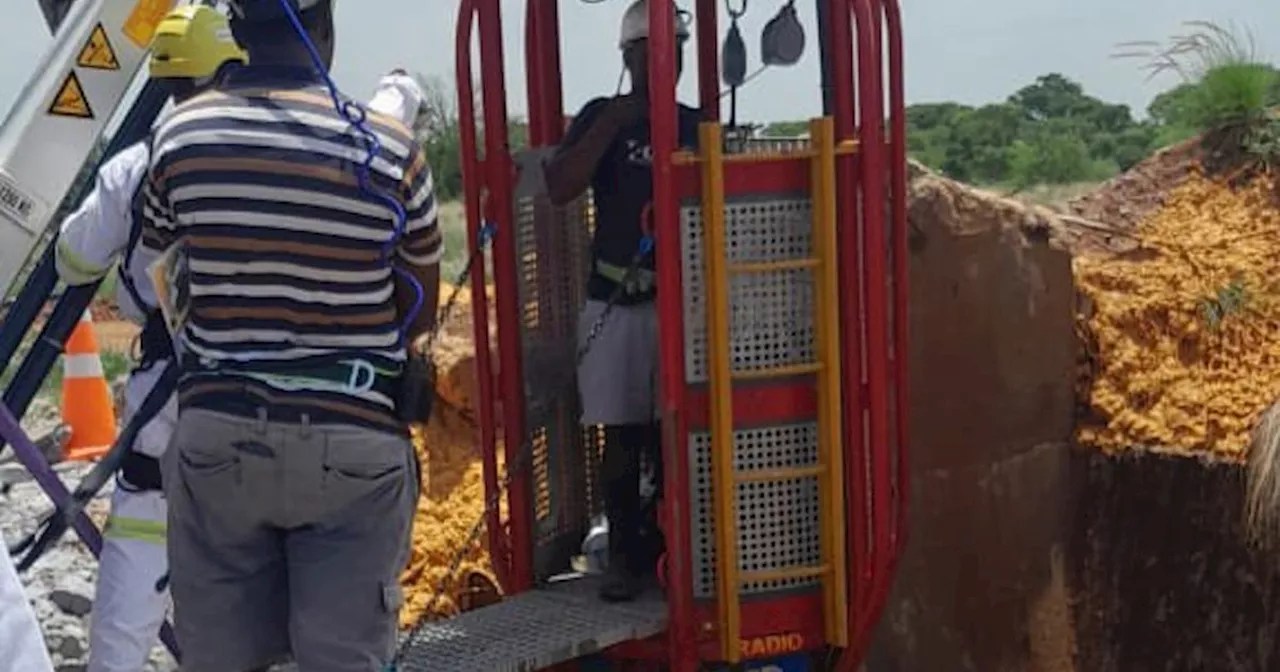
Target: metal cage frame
{"type": "Point", "coordinates": [858, 35]}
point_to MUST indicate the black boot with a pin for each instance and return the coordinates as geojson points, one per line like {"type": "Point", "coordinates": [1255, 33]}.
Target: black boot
{"type": "Point", "coordinates": [620, 474]}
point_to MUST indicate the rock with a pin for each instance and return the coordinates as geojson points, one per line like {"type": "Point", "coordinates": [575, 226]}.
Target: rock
{"type": "Point", "coordinates": [66, 647]}
{"type": "Point", "coordinates": [71, 603]}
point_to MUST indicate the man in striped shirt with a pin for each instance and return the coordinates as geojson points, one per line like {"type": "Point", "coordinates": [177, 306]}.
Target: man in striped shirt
{"type": "Point", "coordinates": [291, 480]}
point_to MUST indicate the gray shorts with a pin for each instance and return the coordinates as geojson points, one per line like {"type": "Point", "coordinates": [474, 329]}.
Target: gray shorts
{"type": "Point", "coordinates": [286, 541]}
{"type": "Point", "coordinates": [618, 379]}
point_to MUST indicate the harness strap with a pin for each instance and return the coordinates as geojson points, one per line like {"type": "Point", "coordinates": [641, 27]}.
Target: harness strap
{"type": "Point", "coordinates": [157, 345]}
{"type": "Point", "coordinates": [640, 281]}
{"type": "Point", "coordinates": [138, 212]}
{"type": "Point", "coordinates": [140, 472]}
{"type": "Point", "coordinates": [352, 375]}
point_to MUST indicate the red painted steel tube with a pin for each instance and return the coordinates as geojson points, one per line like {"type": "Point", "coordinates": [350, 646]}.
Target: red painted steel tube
{"type": "Point", "coordinates": [848, 221]}
{"type": "Point", "coordinates": [875, 249]}
{"type": "Point", "coordinates": [551, 92]}
{"type": "Point", "coordinates": [662, 101]}
{"type": "Point", "coordinates": [498, 180]}
{"type": "Point", "coordinates": [901, 262]}
{"type": "Point", "coordinates": [471, 188]}
{"type": "Point", "coordinates": [533, 75]}
{"type": "Point", "coordinates": [708, 58]}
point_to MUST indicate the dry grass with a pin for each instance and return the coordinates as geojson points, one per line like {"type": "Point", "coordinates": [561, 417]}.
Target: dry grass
{"type": "Point", "coordinates": [1055, 196]}
{"type": "Point", "coordinates": [1262, 493]}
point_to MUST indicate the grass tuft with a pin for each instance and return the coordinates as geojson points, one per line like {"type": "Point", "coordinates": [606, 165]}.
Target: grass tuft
{"type": "Point", "coordinates": [1230, 91]}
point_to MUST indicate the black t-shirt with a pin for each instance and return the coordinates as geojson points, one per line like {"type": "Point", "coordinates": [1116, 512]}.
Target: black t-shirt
{"type": "Point", "coordinates": [621, 187]}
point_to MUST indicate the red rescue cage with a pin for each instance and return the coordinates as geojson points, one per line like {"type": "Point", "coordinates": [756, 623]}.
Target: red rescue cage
{"type": "Point", "coordinates": [783, 343]}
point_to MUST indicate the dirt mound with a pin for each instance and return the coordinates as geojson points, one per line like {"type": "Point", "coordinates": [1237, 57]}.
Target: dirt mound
{"type": "Point", "coordinates": [1125, 201]}
{"type": "Point", "coordinates": [1180, 335]}
{"type": "Point", "coordinates": [452, 489]}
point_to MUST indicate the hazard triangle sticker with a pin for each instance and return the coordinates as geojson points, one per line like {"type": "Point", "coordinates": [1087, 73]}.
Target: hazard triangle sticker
{"type": "Point", "coordinates": [98, 53]}
{"type": "Point", "coordinates": [70, 101]}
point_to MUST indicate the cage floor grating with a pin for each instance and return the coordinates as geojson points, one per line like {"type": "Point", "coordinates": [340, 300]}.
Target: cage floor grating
{"type": "Point", "coordinates": [534, 630]}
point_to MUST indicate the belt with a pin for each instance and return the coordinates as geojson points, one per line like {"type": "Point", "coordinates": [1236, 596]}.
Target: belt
{"type": "Point", "coordinates": [642, 280]}
{"type": "Point", "coordinates": [351, 376]}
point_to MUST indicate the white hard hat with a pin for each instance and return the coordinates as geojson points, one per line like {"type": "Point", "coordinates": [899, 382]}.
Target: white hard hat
{"type": "Point", "coordinates": [635, 23]}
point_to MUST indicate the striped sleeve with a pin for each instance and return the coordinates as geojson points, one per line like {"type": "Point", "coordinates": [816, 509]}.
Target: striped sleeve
{"type": "Point", "coordinates": [422, 244]}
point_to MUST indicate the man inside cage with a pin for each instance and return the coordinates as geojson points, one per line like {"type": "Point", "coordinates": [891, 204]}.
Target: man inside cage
{"type": "Point", "coordinates": [607, 149]}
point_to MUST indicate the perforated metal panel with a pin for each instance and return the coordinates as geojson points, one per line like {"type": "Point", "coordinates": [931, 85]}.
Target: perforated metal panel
{"type": "Point", "coordinates": [771, 325]}
{"type": "Point", "coordinates": [777, 521]}
{"type": "Point", "coordinates": [552, 251]}
{"type": "Point", "coordinates": [771, 319]}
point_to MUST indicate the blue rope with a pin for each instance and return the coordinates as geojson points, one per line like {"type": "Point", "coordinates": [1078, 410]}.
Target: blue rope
{"type": "Point", "coordinates": [358, 117]}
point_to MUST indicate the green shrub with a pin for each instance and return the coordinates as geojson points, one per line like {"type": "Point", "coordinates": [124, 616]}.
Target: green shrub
{"type": "Point", "coordinates": [1227, 95]}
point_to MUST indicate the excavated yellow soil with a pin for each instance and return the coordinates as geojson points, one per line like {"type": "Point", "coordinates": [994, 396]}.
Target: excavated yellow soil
{"type": "Point", "coordinates": [1183, 335]}
{"type": "Point", "coordinates": [452, 490]}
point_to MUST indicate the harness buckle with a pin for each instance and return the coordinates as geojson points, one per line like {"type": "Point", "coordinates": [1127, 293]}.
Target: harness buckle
{"type": "Point", "coordinates": [362, 376]}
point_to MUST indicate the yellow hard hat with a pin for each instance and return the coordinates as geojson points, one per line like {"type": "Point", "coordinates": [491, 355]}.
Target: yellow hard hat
{"type": "Point", "coordinates": [192, 42]}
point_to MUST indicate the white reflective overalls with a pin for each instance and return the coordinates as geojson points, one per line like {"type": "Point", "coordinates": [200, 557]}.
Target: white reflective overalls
{"type": "Point", "coordinates": [21, 643]}
{"type": "Point", "coordinates": [128, 610]}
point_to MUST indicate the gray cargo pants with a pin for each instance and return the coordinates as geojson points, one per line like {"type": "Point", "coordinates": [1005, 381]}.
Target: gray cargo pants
{"type": "Point", "coordinates": [286, 541]}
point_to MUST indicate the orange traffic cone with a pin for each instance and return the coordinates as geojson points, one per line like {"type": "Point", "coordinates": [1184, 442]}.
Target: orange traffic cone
{"type": "Point", "coordinates": [86, 396]}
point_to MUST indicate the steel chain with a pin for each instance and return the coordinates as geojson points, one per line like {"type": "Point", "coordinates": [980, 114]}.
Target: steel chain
{"type": "Point", "coordinates": [523, 456]}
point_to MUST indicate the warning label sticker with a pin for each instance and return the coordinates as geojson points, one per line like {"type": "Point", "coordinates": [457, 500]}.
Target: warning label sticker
{"type": "Point", "coordinates": [142, 21]}
{"type": "Point", "coordinates": [70, 101]}
{"type": "Point", "coordinates": [97, 52]}
{"type": "Point", "coordinates": [14, 203]}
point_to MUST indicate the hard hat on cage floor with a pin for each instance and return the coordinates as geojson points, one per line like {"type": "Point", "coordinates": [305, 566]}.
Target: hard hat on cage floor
{"type": "Point", "coordinates": [269, 10]}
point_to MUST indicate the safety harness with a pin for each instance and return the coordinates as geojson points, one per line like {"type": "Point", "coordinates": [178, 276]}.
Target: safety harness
{"type": "Point", "coordinates": [155, 341]}
{"type": "Point", "coordinates": [134, 471]}
{"type": "Point", "coordinates": [138, 471]}
{"type": "Point", "coordinates": [637, 285]}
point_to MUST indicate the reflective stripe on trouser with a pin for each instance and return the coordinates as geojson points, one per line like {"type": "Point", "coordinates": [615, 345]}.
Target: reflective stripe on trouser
{"type": "Point", "coordinates": [20, 639]}
{"type": "Point", "coordinates": [127, 609]}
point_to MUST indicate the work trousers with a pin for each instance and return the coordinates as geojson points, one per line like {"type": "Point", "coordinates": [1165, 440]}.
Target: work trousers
{"type": "Point", "coordinates": [20, 639]}
{"type": "Point", "coordinates": [127, 609]}
{"type": "Point", "coordinates": [286, 541]}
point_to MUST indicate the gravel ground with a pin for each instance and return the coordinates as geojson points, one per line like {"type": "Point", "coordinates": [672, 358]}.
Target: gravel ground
{"type": "Point", "coordinates": [60, 585]}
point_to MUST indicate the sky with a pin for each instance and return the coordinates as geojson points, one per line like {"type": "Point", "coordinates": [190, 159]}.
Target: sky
{"type": "Point", "coordinates": [970, 51]}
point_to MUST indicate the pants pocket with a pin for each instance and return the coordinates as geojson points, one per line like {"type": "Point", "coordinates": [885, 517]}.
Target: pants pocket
{"type": "Point", "coordinates": [356, 466]}
{"type": "Point", "coordinates": [205, 448]}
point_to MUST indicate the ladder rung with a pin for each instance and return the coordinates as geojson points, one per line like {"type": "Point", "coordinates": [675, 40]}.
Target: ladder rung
{"type": "Point", "coordinates": [780, 474]}
{"type": "Point", "coordinates": [773, 266]}
{"type": "Point", "coordinates": [790, 371]}
{"type": "Point", "coordinates": [784, 574]}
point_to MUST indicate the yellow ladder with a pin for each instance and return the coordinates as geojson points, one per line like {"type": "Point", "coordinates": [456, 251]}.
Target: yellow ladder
{"type": "Point", "coordinates": [829, 470]}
